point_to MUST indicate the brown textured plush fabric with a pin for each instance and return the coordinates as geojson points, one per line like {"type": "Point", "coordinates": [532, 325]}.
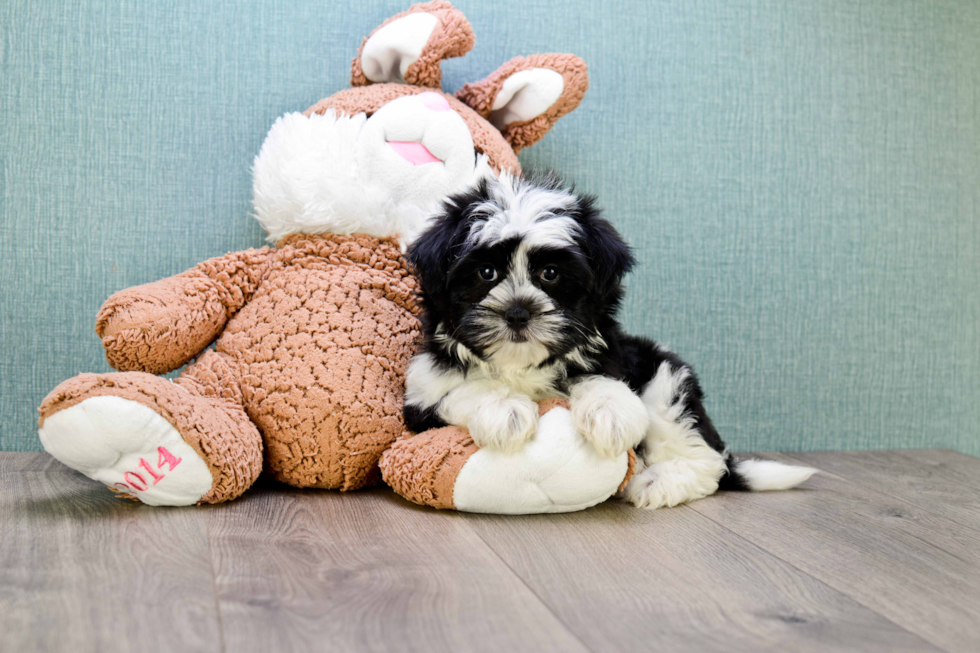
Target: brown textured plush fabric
{"type": "Point", "coordinates": [452, 37]}
{"type": "Point", "coordinates": [159, 326]}
{"type": "Point", "coordinates": [481, 95]}
{"type": "Point", "coordinates": [368, 99]}
{"type": "Point", "coordinates": [323, 346]}
{"type": "Point", "coordinates": [423, 468]}
{"type": "Point", "coordinates": [317, 335]}
{"type": "Point", "coordinates": [630, 469]}
{"type": "Point", "coordinates": [556, 402]}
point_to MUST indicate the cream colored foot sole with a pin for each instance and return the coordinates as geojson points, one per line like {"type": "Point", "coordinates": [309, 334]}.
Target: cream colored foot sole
{"type": "Point", "coordinates": [130, 448]}
{"type": "Point", "coordinates": [556, 471]}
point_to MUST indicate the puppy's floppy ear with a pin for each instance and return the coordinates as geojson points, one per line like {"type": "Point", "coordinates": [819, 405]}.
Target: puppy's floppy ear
{"type": "Point", "coordinates": [611, 258]}
{"type": "Point", "coordinates": [429, 257]}
{"type": "Point", "coordinates": [527, 95]}
{"type": "Point", "coordinates": [433, 253]}
{"type": "Point", "coordinates": [408, 48]}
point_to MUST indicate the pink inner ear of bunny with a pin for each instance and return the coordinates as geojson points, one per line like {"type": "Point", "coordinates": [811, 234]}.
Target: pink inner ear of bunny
{"type": "Point", "coordinates": [452, 37]}
{"type": "Point", "coordinates": [481, 95]}
{"type": "Point", "coordinates": [368, 99]}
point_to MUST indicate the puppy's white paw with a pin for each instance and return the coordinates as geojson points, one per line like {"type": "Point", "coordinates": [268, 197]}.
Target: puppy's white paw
{"type": "Point", "coordinates": [609, 415]}
{"type": "Point", "coordinates": [672, 482]}
{"type": "Point", "coordinates": [503, 421]}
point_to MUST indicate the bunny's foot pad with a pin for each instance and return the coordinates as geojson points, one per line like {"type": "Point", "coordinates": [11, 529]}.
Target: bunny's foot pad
{"type": "Point", "coordinates": [130, 448]}
{"type": "Point", "coordinates": [151, 439]}
{"type": "Point", "coordinates": [557, 471]}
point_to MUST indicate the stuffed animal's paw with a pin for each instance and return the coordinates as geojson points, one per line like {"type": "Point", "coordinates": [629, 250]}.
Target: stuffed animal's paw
{"type": "Point", "coordinates": [609, 415]}
{"type": "Point", "coordinates": [160, 326]}
{"type": "Point", "coordinates": [130, 448]}
{"type": "Point", "coordinates": [152, 439]}
{"type": "Point", "coordinates": [556, 471]}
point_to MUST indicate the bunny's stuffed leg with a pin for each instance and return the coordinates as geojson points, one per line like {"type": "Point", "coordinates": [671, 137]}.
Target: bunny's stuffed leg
{"type": "Point", "coordinates": [159, 441]}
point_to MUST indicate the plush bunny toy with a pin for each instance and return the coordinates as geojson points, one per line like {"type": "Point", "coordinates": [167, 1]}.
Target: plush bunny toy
{"type": "Point", "coordinates": [311, 337]}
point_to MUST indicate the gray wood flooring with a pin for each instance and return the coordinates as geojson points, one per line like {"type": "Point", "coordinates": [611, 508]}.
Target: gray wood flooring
{"type": "Point", "coordinates": [880, 552]}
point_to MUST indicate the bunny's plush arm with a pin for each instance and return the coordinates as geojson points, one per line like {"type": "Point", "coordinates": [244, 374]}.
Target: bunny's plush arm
{"type": "Point", "coordinates": [159, 326]}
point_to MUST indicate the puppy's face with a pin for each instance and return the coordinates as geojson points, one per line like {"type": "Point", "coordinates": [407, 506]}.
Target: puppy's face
{"type": "Point", "coordinates": [517, 273]}
{"type": "Point", "coordinates": [516, 302]}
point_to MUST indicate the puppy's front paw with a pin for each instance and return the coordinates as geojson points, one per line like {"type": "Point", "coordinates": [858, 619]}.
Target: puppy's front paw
{"type": "Point", "coordinates": [504, 421]}
{"type": "Point", "coordinates": [609, 415]}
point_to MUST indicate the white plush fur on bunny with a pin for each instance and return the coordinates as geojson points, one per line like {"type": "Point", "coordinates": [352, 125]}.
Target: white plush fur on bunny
{"type": "Point", "coordinates": [340, 174]}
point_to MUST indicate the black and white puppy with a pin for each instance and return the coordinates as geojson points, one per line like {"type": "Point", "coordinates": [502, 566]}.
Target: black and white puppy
{"type": "Point", "coordinates": [521, 284]}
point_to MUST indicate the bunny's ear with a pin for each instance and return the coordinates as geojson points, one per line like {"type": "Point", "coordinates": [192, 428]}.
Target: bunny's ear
{"type": "Point", "coordinates": [527, 95]}
{"type": "Point", "coordinates": [409, 47]}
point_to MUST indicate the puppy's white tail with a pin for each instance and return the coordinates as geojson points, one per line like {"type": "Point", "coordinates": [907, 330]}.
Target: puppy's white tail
{"type": "Point", "coordinates": [763, 475]}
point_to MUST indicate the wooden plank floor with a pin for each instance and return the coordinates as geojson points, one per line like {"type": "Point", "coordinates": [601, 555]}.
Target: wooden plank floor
{"type": "Point", "coordinates": [880, 552]}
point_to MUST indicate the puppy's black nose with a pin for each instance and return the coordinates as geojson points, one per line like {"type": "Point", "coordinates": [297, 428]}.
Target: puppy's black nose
{"type": "Point", "coordinates": [517, 317]}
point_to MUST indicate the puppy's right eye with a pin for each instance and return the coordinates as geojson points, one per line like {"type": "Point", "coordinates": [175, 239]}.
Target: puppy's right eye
{"type": "Point", "coordinates": [488, 273]}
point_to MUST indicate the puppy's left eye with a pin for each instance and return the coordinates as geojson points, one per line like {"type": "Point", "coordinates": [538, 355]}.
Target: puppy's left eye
{"type": "Point", "coordinates": [487, 273]}
{"type": "Point", "coordinates": [549, 274]}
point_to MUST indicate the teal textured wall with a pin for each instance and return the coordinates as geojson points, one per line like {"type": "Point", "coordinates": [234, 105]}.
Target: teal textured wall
{"type": "Point", "coordinates": [801, 181]}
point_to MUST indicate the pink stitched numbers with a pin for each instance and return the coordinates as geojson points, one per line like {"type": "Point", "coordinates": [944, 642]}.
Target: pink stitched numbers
{"type": "Point", "coordinates": [156, 477]}
{"type": "Point", "coordinates": [135, 481]}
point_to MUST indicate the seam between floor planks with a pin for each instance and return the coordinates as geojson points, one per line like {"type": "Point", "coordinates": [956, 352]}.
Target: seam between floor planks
{"type": "Point", "coordinates": [42, 466]}
{"type": "Point", "coordinates": [214, 588]}
{"type": "Point", "coordinates": [856, 599]}
{"type": "Point", "coordinates": [98, 532]}
{"type": "Point", "coordinates": [375, 573]}
{"type": "Point", "coordinates": [661, 612]}
{"type": "Point", "coordinates": [524, 581]}
{"type": "Point", "coordinates": [814, 459]}
{"type": "Point", "coordinates": [947, 637]}
{"type": "Point", "coordinates": [817, 579]}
